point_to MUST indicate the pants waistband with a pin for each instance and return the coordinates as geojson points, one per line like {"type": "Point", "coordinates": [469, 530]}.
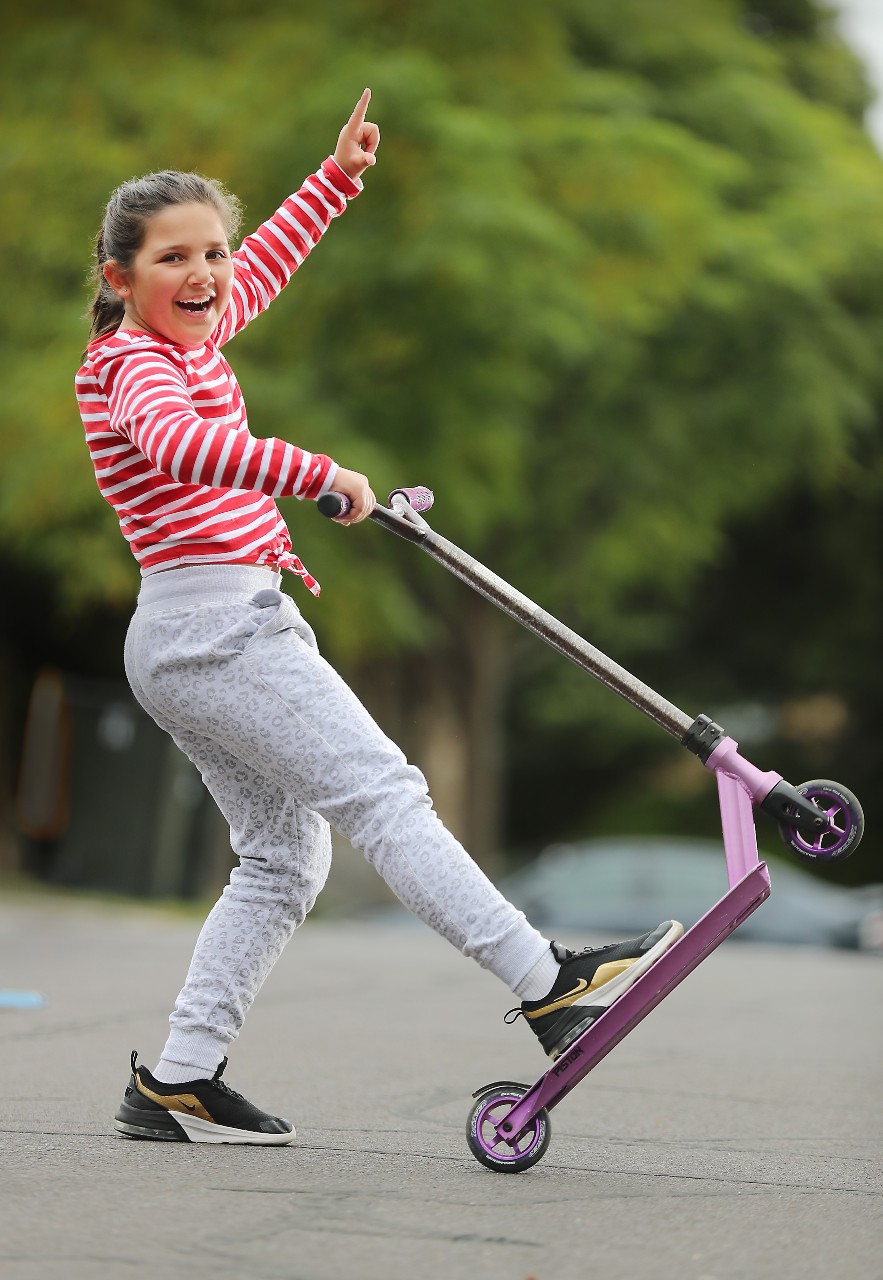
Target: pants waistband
{"type": "Point", "coordinates": [199, 584]}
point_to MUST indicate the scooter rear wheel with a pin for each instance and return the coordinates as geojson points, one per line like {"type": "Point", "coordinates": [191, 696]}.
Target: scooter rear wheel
{"type": "Point", "coordinates": [846, 823]}
{"type": "Point", "coordinates": [490, 1148]}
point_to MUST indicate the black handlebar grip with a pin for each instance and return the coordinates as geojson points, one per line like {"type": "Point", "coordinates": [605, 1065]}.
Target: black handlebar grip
{"type": "Point", "coordinates": [333, 505]}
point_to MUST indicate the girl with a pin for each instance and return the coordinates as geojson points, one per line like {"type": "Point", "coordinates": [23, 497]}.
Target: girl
{"type": "Point", "coordinates": [224, 662]}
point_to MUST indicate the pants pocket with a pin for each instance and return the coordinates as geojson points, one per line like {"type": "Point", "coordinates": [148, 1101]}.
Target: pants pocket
{"type": "Point", "coordinates": [276, 612]}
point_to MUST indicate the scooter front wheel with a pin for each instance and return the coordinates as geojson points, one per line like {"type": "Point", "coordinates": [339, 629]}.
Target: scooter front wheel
{"type": "Point", "coordinates": [841, 836]}
{"type": "Point", "coordinates": [505, 1154]}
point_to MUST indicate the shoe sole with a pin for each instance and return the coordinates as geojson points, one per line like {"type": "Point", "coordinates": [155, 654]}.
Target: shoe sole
{"type": "Point", "coordinates": [175, 1128]}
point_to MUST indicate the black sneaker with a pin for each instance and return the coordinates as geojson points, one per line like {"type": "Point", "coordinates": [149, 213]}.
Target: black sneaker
{"type": "Point", "coordinates": [198, 1111]}
{"type": "Point", "coordinates": [588, 983]}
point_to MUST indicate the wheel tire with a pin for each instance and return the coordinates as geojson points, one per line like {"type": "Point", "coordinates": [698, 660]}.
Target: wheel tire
{"type": "Point", "coordinates": [846, 824]}
{"type": "Point", "coordinates": [500, 1154]}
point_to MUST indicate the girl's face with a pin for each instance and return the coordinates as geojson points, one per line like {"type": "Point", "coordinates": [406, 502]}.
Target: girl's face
{"type": "Point", "coordinates": [180, 280]}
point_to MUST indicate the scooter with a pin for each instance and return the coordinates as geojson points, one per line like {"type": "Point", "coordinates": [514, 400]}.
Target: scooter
{"type": "Point", "coordinates": [508, 1128]}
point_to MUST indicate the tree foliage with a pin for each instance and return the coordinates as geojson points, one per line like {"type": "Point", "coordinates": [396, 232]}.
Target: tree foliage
{"type": "Point", "coordinates": [615, 287]}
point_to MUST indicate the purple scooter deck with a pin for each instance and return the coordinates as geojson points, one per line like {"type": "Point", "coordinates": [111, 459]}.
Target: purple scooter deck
{"type": "Point", "coordinates": [669, 970]}
{"type": "Point", "coordinates": [749, 883]}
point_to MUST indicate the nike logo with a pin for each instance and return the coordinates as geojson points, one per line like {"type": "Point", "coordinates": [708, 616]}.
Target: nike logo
{"type": "Point", "coordinates": [562, 1001]}
{"type": "Point", "coordinates": [186, 1102]}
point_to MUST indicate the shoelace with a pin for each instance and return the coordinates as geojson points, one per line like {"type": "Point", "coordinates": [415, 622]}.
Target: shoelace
{"type": "Point", "coordinates": [564, 953]}
{"type": "Point", "coordinates": [222, 1084]}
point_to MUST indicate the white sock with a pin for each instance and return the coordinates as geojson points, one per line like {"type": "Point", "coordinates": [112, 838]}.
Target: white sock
{"type": "Point", "coordinates": [189, 1055]}
{"type": "Point", "coordinates": [179, 1072]}
{"type": "Point", "coordinates": [539, 980]}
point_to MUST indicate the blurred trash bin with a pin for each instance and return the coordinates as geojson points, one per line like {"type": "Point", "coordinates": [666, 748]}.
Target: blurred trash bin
{"type": "Point", "coordinates": [109, 799]}
{"type": "Point", "coordinates": [41, 800]}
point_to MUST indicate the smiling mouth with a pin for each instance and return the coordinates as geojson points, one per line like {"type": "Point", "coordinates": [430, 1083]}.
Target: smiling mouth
{"type": "Point", "coordinates": [196, 306]}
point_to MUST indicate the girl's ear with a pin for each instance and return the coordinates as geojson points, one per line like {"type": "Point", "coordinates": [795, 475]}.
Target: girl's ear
{"type": "Point", "coordinates": [116, 277]}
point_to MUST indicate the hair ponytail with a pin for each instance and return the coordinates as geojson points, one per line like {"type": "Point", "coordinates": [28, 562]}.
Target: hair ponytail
{"type": "Point", "coordinates": [107, 309]}
{"type": "Point", "coordinates": [124, 226]}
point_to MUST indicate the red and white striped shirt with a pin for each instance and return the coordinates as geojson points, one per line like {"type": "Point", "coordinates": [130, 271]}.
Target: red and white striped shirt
{"type": "Point", "coordinates": [166, 424]}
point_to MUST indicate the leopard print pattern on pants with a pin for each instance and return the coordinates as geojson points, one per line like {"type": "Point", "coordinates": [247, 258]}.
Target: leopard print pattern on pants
{"type": "Point", "coordinates": [225, 663]}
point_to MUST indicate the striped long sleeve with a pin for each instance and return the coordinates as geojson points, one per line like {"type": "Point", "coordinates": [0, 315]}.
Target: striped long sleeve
{"type": "Point", "coordinates": [266, 260]}
{"type": "Point", "coordinates": [167, 429]}
{"type": "Point", "coordinates": [195, 435]}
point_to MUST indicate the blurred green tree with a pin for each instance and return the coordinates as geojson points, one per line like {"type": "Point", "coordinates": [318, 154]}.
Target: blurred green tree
{"type": "Point", "coordinates": [616, 284]}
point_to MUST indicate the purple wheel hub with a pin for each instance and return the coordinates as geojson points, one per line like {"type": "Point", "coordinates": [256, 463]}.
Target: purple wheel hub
{"type": "Point", "coordinates": [845, 823]}
{"type": "Point", "coordinates": [507, 1153]}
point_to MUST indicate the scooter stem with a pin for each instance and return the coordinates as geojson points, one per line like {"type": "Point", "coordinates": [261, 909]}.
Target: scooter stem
{"type": "Point", "coordinates": [408, 524]}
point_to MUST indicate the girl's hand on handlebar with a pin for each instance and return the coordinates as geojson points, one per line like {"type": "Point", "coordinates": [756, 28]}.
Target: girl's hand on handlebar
{"type": "Point", "coordinates": [356, 487]}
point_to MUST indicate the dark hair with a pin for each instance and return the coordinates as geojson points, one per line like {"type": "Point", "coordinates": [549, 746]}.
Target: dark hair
{"type": "Point", "coordinates": [124, 226]}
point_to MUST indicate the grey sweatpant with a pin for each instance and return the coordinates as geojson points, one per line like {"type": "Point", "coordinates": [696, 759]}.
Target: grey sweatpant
{"type": "Point", "coordinates": [224, 662]}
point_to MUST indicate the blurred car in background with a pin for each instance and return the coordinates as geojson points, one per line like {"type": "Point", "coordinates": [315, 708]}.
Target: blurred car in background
{"type": "Point", "coordinates": [624, 886]}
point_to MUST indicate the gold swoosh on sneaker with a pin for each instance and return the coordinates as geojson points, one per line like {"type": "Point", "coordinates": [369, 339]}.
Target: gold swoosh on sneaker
{"type": "Point", "coordinates": [184, 1102]}
{"type": "Point", "coordinates": [569, 997]}
{"type": "Point", "coordinates": [605, 973]}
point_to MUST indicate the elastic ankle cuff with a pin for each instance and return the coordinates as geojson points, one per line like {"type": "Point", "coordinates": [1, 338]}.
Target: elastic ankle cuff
{"type": "Point", "coordinates": [539, 980]}
{"type": "Point", "coordinates": [197, 1049]}
{"type": "Point", "coordinates": [521, 949]}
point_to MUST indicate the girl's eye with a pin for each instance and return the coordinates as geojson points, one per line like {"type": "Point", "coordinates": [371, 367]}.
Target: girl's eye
{"type": "Point", "coordinates": [177, 257]}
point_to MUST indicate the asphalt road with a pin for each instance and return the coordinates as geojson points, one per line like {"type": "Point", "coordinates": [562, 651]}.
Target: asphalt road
{"type": "Point", "coordinates": [735, 1133]}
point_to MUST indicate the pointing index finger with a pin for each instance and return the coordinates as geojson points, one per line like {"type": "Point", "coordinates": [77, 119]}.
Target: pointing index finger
{"type": "Point", "coordinates": [358, 116]}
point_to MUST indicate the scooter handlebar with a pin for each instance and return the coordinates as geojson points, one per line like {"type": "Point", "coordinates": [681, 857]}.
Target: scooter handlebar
{"type": "Point", "coordinates": [333, 505]}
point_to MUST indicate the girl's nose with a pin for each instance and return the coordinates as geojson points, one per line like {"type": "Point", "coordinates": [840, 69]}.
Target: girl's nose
{"type": "Point", "coordinates": [201, 273]}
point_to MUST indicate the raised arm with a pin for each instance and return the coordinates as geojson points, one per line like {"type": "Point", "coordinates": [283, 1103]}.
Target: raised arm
{"type": "Point", "coordinates": [268, 257]}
